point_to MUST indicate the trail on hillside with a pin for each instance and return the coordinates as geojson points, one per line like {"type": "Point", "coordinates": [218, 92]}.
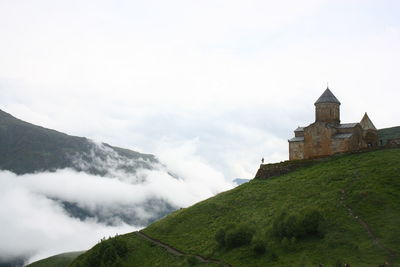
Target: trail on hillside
{"type": "Point", "coordinates": [391, 253]}
{"type": "Point", "coordinates": [177, 252]}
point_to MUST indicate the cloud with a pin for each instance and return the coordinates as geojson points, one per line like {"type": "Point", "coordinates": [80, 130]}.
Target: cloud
{"type": "Point", "coordinates": [34, 225]}
{"type": "Point", "coordinates": [37, 208]}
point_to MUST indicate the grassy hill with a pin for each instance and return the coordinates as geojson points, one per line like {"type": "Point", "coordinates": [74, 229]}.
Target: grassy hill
{"type": "Point", "coordinates": [345, 210]}
{"type": "Point", "coordinates": [61, 260]}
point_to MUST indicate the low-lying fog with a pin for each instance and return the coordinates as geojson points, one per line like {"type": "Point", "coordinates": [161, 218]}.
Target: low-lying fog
{"type": "Point", "coordinates": [46, 213]}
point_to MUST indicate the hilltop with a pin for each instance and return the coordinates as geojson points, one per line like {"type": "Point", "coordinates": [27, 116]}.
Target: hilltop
{"type": "Point", "coordinates": [343, 210]}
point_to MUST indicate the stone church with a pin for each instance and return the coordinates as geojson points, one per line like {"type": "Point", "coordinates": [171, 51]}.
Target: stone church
{"type": "Point", "coordinates": [327, 136]}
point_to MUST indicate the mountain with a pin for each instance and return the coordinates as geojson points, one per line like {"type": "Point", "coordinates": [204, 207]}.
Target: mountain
{"type": "Point", "coordinates": [342, 210]}
{"type": "Point", "coordinates": [27, 148]}
{"type": "Point", "coordinates": [30, 149]}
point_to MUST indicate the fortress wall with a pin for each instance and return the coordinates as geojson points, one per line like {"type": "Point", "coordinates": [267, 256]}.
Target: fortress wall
{"type": "Point", "coordinates": [275, 169]}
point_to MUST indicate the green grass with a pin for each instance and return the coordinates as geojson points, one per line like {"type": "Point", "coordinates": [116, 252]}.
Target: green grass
{"type": "Point", "coordinates": [140, 253]}
{"type": "Point", "coordinates": [61, 260]}
{"type": "Point", "coordinates": [369, 183]}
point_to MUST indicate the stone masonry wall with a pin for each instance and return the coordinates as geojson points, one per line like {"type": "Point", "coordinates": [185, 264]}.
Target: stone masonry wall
{"type": "Point", "coordinates": [296, 150]}
{"type": "Point", "coordinates": [275, 169]}
{"type": "Point", "coordinates": [317, 140]}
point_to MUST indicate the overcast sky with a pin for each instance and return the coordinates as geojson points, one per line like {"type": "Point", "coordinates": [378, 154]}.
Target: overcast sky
{"type": "Point", "coordinates": [229, 79]}
{"type": "Point", "coordinates": [209, 87]}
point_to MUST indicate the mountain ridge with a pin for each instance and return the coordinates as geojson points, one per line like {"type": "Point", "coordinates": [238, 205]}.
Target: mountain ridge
{"type": "Point", "coordinates": [28, 148]}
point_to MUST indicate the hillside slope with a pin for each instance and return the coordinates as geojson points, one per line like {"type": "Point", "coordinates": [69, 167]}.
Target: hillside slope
{"type": "Point", "coordinates": [346, 210]}
{"type": "Point", "coordinates": [28, 148]}
{"type": "Point", "coordinates": [61, 260]}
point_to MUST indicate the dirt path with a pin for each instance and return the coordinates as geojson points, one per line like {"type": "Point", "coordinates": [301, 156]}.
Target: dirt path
{"type": "Point", "coordinates": [391, 253]}
{"type": "Point", "coordinates": [177, 252]}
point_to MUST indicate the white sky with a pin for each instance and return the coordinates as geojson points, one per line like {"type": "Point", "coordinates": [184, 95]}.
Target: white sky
{"type": "Point", "coordinates": [230, 79]}
{"type": "Point", "coordinates": [210, 87]}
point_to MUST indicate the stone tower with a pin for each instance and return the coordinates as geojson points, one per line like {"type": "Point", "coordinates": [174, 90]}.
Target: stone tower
{"type": "Point", "coordinates": [327, 108]}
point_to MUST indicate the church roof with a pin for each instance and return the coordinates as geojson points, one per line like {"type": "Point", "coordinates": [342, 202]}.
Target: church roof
{"type": "Point", "coordinates": [342, 135]}
{"type": "Point", "coordinates": [299, 129]}
{"type": "Point", "coordinates": [347, 125]}
{"type": "Point", "coordinates": [297, 139]}
{"type": "Point", "coordinates": [327, 97]}
{"type": "Point", "coordinates": [366, 123]}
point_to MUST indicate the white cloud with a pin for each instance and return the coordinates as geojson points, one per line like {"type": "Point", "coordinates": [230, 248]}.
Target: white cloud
{"type": "Point", "coordinates": [37, 224]}
{"type": "Point", "coordinates": [34, 225]}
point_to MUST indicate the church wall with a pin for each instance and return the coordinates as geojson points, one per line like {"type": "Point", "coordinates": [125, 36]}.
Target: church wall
{"type": "Point", "coordinates": [317, 140]}
{"type": "Point", "coordinates": [354, 143]}
{"type": "Point", "coordinates": [341, 145]}
{"type": "Point", "coordinates": [296, 150]}
{"type": "Point", "coordinates": [357, 142]}
{"type": "Point", "coordinates": [371, 137]}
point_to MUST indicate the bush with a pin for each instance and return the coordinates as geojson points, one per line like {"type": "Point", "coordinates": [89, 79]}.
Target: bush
{"type": "Point", "coordinates": [107, 253]}
{"type": "Point", "coordinates": [239, 236]}
{"type": "Point", "coordinates": [259, 248]}
{"type": "Point", "coordinates": [338, 263]}
{"type": "Point", "coordinates": [220, 237]}
{"type": "Point", "coordinates": [192, 260]}
{"type": "Point", "coordinates": [308, 224]}
{"type": "Point", "coordinates": [312, 223]}
{"type": "Point", "coordinates": [273, 256]}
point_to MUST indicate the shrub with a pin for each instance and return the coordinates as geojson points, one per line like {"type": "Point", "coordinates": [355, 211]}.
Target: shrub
{"type": "Point", "coordinates": [273, 256]}
{"type": "Point", "coordinates": [107, 253]}
{"type": "Point", "coordinates": [298, 226]}
{"type": "Point", "coordinates": [259, 248]}
{"type": "Point", "coordinates": [220, 237]}
{"type": "Point", "coordinates": [338, 263]}
{"type": "Point", "coordinates": [192, 260]}
{"type": "Point", "coordinates": [312, 223]}
{"type": "Point", "coordinates": [285, 243]}
{"type": "Point", "coordinates": [239, 236]}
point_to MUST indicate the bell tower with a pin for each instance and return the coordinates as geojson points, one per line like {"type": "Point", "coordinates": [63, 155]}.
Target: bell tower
{"type": "Point", "coordinates": [327, 108]}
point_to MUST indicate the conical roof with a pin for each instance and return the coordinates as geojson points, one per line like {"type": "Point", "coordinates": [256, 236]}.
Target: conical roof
{"type": "Point", "coordinates": [327, 97]}
{"type": "Point", "coordinates": [366, 123]}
